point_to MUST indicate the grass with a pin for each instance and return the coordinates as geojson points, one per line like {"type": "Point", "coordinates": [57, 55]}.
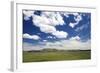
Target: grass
{"type": "Point", "coordinates": [39, 56]}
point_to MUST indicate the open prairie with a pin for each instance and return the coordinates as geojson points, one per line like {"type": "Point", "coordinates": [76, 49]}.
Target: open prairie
{"type": "Point", "coordinates": [55, 55]}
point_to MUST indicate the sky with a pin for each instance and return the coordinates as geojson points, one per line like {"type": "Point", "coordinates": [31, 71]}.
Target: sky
{"type": "Point", "coordinates": [56, 29]}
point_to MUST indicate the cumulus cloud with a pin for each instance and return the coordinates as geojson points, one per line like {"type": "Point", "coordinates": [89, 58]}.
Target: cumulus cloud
{"type": "Point", "coordinates": [75, 38]}
{"type": "Point", "coordinates": [38, 20]}
{"type": "Point", "coordinates": [44, 40]}
{"type": "Point", "coordinates": [69, 45]}
{"type": "Point", "coordinates": [30, 47]}
{"type": "Point", "coordinates": [72, 24]}
{"type": "Point", "coordinates": [55, 18]}
{"type": "Point", "coordinates": [77, 18]}
{"type": "Point", "coordinates": [28, 14]}
{"type": "Point", "coordinates": [60, 45]}
{"type": "Point", "coordinates": [75, 14]}
{"type": "Point", "coordinates": [43, 23]}
{"type": "Point", "coordinates": [47, 29]}
{"type": "Point", "coordinates": [50, 37]}
{"type": "Point", "coordinates": [49, 18]}
{"type": "Point", "coordinates": [34, 37]}
{"type": "Point", "coordinates": [47, 22]}
{"type": "Point", "coordinates": [59, 18]}
{"type": "Point", "coordinates": [60, 34]}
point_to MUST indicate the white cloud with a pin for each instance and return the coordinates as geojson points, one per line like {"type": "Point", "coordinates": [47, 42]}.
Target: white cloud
{"type": "Point", "coordinates": [47, 28]}
{"type": "Point", "coordinates": [69, 45]}
{"type": "Point", "coordinates": [65, 14]}
{"type": "Point", "coordinates": [40, 20]}
{"type": "Point", "coordinates": [70, 13]}
{"type": "Point", "coordinates": [60, 34]}
{"type": "Point", "coordinates": [60, 45]}
{"type": "Point", "coordinates": [26, 18]}
{"type": "Point", "coordinates": [77, 18]}
{"type": "Point", "coordinates": [49, 18]}
{"type": "Point", "coordinates": [59, 18]}
{"type": "Point", "coordinates": [49, 37]}
{"type": "Point", "coordinates": [47, 22]}
{"type": "Point", "coordinates": [28, 14]}
{"type": "Point", "coordinates": [72, 25]}
{"type": "Point", "coordinates": [75, 14]}
{"type": "Point", "coordinates": [56, 45]}
{"type": "Point", "coordinates": [43, 23]}
{"type": "Point", "coordinates": [44, 40]}
{"type": "Point", "coordinates": [55, 18]}
{"type": "Point", "coordinates": [30, 47]}
{"type": "Point", "coordinates": [75, 38]}
{"type": "Point", "coordinates": [48, 14]}
{"type": "Point", "coordinates": [34, 37]}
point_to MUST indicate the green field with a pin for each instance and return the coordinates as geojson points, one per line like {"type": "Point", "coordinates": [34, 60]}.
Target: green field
{"type": "Point", "coordinates": [54, 55]}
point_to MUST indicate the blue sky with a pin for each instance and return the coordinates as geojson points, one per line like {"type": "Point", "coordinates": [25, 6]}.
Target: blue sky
{"type": "Point", "coordinates": [43, 27]}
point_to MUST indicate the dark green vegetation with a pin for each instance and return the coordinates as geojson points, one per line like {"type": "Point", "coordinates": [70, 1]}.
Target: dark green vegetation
{"type": "Point", "coordinates": [55, 55]}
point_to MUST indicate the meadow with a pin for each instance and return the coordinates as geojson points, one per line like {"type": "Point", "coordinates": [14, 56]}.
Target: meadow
{"type": "Point", "coordinates": [55, 55]}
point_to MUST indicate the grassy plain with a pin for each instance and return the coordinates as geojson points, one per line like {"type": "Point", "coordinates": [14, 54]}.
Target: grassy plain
{"type": "Point", "coordinates": [54, 55]}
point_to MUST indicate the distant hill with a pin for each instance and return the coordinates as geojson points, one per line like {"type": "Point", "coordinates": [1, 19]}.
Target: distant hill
{"type": "Point", "coordinates": [53, 50]}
